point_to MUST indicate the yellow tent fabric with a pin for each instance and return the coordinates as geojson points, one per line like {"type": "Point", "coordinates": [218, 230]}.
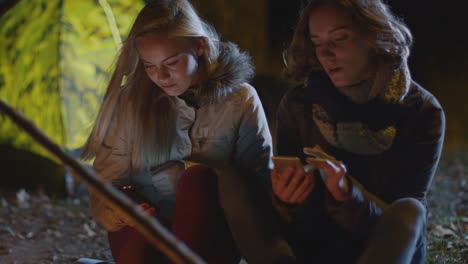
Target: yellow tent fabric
{"type": "Point", "coordinates": [55, 60]}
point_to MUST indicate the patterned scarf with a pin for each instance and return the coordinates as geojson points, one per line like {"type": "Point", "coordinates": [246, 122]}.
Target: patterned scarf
{"type": "Point", "coordinates": [360, 119]}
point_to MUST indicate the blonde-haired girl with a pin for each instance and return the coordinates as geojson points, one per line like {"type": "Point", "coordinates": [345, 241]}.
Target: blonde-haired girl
{"type": "Point", "coordinates": [179, 96]}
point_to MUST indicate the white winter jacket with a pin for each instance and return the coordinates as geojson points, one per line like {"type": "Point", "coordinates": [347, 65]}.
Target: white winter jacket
{"type": "Point", "coordinates": [233, 131]}
{"type": "Point", "coordinates": [228, 127]}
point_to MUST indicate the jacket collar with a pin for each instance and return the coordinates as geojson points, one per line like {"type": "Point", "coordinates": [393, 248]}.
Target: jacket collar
{"type": "Point", "coordinates": [232, 68]}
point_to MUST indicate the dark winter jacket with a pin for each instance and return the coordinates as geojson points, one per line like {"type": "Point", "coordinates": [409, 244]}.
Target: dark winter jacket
{"type": "Point", "coordinates": [404, 169]}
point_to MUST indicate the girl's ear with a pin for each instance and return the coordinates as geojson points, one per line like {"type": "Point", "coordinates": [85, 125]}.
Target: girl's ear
{"type": "Point", "coordinates": [370, 38]}
{"type": "Point", "coordinates": [200, 46]}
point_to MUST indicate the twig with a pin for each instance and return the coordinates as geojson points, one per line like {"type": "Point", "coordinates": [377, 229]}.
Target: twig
{"type": "Point", "coordinates": [146, 224]}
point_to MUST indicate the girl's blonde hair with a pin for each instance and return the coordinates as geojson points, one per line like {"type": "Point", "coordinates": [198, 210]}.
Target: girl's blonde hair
{"type": "Point", "coordinates": [392, 38]}
{"type": "Point", "coordinates": [133, 104]}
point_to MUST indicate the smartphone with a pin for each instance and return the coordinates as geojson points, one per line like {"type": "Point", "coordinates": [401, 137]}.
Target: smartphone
{"type": "Point", "coordinates": [282, 162]}
{"type": "Point", "coordinates": [132, 193]}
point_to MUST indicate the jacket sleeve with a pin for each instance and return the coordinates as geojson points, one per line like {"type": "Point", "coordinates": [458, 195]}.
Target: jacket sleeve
{"type": "Point", "coordinates": [408, 176]}
{"type": "Point", "coordinates": [288, 143]}
{"type": "Point", "coordinates": [288, 139]}
{"type": "Point", "coordinates": [253, 147]}
{"type": "Point", "coordinates": [112, 163]}
{"type": "Point", "coordinates": [244, 191]}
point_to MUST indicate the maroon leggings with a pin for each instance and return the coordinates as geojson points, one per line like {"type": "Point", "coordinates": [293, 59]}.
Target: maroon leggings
{"type": "Point", "coordinates": [198, 222]}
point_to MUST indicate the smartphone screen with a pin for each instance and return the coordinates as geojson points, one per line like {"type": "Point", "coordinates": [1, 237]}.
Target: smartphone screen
{"type": "Point", "coordinates": [282, 162]}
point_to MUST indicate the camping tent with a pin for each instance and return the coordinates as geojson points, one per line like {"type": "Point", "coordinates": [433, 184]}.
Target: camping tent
{"type": "Point", "coordinates": [55, 57]}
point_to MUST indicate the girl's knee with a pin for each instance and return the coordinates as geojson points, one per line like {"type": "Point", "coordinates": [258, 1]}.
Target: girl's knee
{"type": "Point", "coordinates": [409, 207]}
{"type": "Point", "coordinates": [197, 177]}
{"type": "Point", "coordinates": [407, 212]}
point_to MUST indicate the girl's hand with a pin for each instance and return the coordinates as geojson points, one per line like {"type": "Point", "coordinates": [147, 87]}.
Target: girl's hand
{"type": "Point", "coordinates": [293, 185]}
{"type": "Point", "coordinates": [148, 209]}
{"type": "Point", "coordinates": [334, 171]}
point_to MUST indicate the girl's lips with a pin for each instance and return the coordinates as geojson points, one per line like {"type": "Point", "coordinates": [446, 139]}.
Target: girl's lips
{"type": "Point", "coordinates": [333, 71]}
{"type": "Point", "coordinates": [167, 86]}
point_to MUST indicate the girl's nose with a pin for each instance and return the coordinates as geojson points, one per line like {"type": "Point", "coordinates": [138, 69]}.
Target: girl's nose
{"type": "Point", "coordinates": [163, 74]}
{"type": "Point", "coordinates": [326, 50]}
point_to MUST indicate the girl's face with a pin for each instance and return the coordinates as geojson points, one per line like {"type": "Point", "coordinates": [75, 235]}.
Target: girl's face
{"type": "Point", "coordinates": [341, 48]}
{"type": "Point", "coordinates": [171, 63]}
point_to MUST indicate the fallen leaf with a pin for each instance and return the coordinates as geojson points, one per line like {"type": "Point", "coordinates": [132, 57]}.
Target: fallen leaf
{"type": "Point", "coordinates": [442, 232]}
{"type": "Point", "coordinates": [449, 245]}
{"type": "Point", "coordinates": [69, 214]}
{"type": "Point", "coordinates": [60, 250]}
{"type": "Point", "coordinates": [22, 199]}
{"type": "Point", "coordinates": [4, 250]}
{"type": "Point", "coordinates": [58, 234]}
{"type": "Point", "coordinates": [7, 229]}
{"type": "Point", "coordinates": [4, 202]}
{"type": "Point", "coordinates": [89, 231]}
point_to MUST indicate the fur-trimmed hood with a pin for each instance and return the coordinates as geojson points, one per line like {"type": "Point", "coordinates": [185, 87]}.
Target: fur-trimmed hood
{"type": "Point", "coordinates": [232, 68]}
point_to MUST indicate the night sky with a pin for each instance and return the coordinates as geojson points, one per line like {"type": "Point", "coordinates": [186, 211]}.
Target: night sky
{"type": "Point", "coordinates": [439, 58]}
{"type": "Point", "coordinates": [439, 29]}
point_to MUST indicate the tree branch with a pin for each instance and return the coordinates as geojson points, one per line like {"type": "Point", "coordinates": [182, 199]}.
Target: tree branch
{"type": "Point", "coordinates": [158, 236]}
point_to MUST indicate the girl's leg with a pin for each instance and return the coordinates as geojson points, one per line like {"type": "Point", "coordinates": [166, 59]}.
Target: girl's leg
{"type": "Point", "coordinates": [128, 246]}
{"type": "Point", "coordinates": [199, 221]}
{"type": "Point", "coordinates": [251, 218]}
{"type": "Point", "coordinates": [399, 235]}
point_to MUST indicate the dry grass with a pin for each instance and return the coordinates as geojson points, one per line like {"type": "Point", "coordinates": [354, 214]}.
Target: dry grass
{"type": "Point", "coordinates": [43, 230]}
{"type": "Point", "coordinates": [448, 210]}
